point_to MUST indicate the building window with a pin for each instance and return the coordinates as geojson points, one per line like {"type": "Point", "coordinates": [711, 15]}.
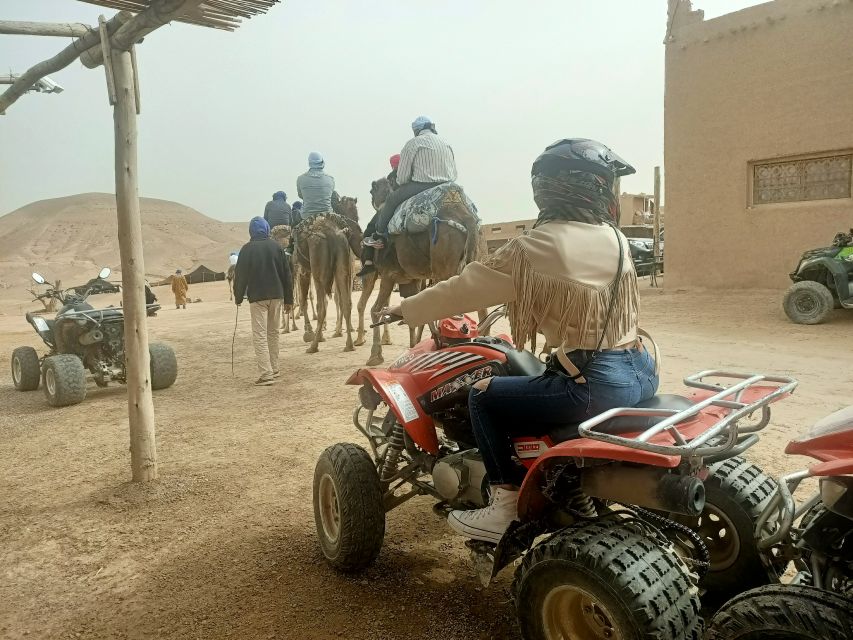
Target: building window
{"type": "Point", "coordinates": [519, 227]}
{"type": "Point", "coordinates": [822, 178]}
{"type": "Point", "coordinates": [496, 229]}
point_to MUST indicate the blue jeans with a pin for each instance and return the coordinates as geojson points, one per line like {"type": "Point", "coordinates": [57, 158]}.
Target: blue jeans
{"type": "Point", "coordinates": [515, 406]}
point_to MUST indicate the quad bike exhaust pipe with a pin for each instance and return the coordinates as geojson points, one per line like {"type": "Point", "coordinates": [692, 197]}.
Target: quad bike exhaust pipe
{"type": "Point", "coordinates": [644, 487]}
{"type": "Point", "coordinates": [91, 337]}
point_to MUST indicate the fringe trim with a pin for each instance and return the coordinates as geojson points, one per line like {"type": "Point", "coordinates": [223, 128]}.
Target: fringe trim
{"type": "Point", "coordinates": [582, 308]}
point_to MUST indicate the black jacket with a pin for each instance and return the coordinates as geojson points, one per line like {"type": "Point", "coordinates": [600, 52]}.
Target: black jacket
{"type": "Point", "coordinates": [263, 273]}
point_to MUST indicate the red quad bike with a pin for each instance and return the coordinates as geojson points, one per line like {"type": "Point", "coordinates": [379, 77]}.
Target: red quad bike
{"type": "Point", "coordinates": [818, 603]}
{"type": "Point", "coordinates": [604, 556]}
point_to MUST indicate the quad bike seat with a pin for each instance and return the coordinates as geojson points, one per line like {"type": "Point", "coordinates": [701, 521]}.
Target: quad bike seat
{"type": "Point", "coordinates": [523, 363]}
{"type": "Point", "coordinates": [627, 424]}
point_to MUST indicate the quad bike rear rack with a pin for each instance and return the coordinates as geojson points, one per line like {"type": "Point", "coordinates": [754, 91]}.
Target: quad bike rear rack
{"type": "Point", "coordinates": [718, 440]}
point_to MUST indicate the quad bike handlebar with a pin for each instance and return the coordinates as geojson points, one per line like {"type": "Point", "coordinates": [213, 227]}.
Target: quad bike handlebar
{"type": "Point", "coordinates": [731, 398]}
{"type": "Point", "coordinates": [386, 318]}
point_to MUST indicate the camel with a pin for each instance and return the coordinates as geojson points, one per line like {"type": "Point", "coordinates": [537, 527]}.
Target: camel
{"type": "Point", "coordinates": [414, 259]}
{"type": "Point", "coordinates": [322, 254]}
{"type": "Point", "coordinates": [230, 277]}
{"type": "Point", "coordinates": [282, 235]}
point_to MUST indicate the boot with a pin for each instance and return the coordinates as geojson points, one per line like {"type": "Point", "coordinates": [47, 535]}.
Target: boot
{"type": "Point", "coordinates": [489, 523]}
{"type": "Point", "coordinates": [367, 266]}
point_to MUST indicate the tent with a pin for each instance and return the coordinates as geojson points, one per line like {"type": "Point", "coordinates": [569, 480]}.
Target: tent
{"type": "Point", "coordinates": [203, 274]}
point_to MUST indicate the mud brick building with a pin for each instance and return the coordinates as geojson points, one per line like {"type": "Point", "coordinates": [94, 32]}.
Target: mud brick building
{"type": "Point", "coordinates": [758, 139]}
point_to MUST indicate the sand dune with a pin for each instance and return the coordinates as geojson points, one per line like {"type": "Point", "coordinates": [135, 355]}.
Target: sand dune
{"type": "Point", "coordinates": [71, 238]}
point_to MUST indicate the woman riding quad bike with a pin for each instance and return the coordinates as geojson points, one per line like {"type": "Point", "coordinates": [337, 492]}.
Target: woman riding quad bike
{"type": "Point", "coordinates": [602, 556]}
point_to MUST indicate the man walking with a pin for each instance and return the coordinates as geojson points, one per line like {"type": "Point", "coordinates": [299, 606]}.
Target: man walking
{"type": "Point", "coordinates": [180, 287]}
{"type": "Point", "coordinates": [263, 275]}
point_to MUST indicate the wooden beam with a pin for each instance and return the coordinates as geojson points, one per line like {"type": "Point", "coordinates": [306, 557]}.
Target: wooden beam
{"type": "Point", "coordinates": [159, 13]}
{"type": "Point", "coordinates": [656, 232]}
{"type": "Point", "coordinates": [58, 62]}
{"type": "Point", "coordinates": [143, 446]}
{"type": "Point", "coordinates": [108, 68]}
{"type": "Point", "coordinates": [59, 29]}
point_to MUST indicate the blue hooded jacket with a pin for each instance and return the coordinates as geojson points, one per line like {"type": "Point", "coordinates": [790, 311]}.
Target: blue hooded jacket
{"type": "Point", "coordinates": [259, 229]}
{"type": "Point", "coordinates": [262, 272]}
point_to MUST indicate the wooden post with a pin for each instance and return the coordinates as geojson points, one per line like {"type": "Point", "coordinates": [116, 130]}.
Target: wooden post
{"type": "Point", "coordinates": [656, 228]}
{"type": "Point", "coordinates": [143, 447]}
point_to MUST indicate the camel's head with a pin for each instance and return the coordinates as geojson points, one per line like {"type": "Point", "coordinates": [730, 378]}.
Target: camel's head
{"type": "Point", "coordinates": [281, 233]}
{"type": "Point", "coordinates": [379, 192]}
{"type": "Point", "coordinates": [347, 207]}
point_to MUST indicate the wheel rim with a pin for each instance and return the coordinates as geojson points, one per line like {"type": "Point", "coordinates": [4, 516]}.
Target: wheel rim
{"type": "Point", "coordinates": [330, 512]}
{"type": "Point", "coordinates": [572, 613]}
{"type": "Point", "coordinates": [17, 373]}
{"type": "Point", "coordinates": [720, 536]}
{"type": "Point", "coordinates": [50, 382]}
{"type": "Point", "coordinates": [805, 304]}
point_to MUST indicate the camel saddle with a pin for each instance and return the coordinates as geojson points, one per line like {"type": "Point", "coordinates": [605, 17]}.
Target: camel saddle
{"type": "Point", "coordinates": [416, 214]}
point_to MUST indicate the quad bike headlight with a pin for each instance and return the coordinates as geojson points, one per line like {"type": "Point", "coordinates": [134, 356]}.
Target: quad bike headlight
{"type": "Point", "coordinates": [836, 494]}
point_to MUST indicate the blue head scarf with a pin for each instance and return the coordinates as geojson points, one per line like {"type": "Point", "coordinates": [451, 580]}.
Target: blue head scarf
{"type": "Point", "coordinates": [259, 228]}
{"type": "Point", "coordinates": [421, 123]}
{"type": "Point", "coordinates": [315, 160]}
{"type": "Point", "coordinates": [297, 206]}
{"type": "Point", "coordinates": [279, 195]}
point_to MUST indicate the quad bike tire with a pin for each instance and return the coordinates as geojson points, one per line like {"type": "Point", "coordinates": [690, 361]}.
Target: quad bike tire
{"type": "Point", "coordinates": [736, 491]}
{"type": "Point", "coordinates": [808, 302]}
{"type": "Point", "coordinates": [26, 369]}
{"type": "Point", "coordinates": [348, 509]}
{"type": "Point", "coordinates": [64, 380]}
{"type": "Point", "coordinates": [605, 579]}
{"type": "Point", "coordinates": [784, 612]}
{"type": "Point", "coordinates": [164, 365]}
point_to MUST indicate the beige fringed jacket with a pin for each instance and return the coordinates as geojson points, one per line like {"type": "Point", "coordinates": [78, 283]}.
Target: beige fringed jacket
{"type": "Point", "coordinates": [556, 280]}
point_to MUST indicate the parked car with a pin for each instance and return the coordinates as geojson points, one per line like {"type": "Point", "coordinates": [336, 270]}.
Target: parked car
{"type": "Point", "coordinates": [641, 239]}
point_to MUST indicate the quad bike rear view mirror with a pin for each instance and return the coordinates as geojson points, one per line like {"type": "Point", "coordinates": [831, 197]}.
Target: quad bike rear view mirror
{"type": "Point", "coordinates": [39, 278]}
{"type": "Point", "coordinates": [104, 273]}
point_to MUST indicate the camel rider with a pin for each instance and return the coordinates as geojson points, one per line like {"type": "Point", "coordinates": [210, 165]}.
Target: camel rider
{"type": "Point", "coordinates": [369, 251]}
{"type": "Point", "coordinates": [296, 213]}
{"type": "Point", "coordinates": [277, 210]}
{"type": "Point", "coordinates": [315, 187]}
{"type": "Point", "coordinates": [425, 162]}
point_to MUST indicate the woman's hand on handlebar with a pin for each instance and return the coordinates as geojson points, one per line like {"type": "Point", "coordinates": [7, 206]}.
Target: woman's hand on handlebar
{"type": "Point", "coordinates": [389, 315]}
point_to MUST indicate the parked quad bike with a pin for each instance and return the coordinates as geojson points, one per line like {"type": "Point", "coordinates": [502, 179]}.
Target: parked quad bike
{"type": "Point", "coordinates": [82, 338]}
{"type": "Point", "coordinates": [817, 535]}
{"type": "Point", "coordinates": [823, 280]}
{"type": "Point", "coordinates": [603, 556]}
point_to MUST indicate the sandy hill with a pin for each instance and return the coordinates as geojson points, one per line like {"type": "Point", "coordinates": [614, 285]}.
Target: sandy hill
{"type": "Point", "coordinates": [70, 238]}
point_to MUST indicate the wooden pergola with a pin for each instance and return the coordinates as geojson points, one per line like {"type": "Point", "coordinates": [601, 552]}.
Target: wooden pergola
{"type": "Point", "coordinates": [112, 43]}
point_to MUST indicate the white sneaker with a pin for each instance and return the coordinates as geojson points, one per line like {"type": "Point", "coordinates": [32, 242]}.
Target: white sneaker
{"type": "Point", "coordinates": [489, 523]}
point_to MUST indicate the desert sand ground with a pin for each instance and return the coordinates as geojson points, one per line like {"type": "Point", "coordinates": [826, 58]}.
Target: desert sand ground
{"type": "Point", "coordinates": [223, 545]}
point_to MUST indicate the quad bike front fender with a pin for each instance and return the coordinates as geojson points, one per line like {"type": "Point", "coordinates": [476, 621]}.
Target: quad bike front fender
{"type": "Point", "coordinates": [399, 392]}
{"type": "Point", "coordinates": [837, 280]}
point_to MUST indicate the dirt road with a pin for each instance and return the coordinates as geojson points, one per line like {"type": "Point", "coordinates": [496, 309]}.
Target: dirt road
{"type": "Point", "coordinates": [223, 546]}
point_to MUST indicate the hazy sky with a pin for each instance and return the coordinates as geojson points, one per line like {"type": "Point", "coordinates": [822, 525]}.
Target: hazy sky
{"type": "Point", "coordinates": [228, 118]}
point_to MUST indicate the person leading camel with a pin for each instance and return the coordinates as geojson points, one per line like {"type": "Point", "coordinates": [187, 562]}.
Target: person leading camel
{"type": "Point", "coordinates": [368, 252]}
{"type": "Point", "coordinates": [572, 279]}
{"type": "Point", "coordinates": [277, 210]}
{"type": "Point", "coordinates": [180, 287]}
{"type": "Point", "coordinates": [426, 161]}
{"type": "Point", "coordinates": [315, 187]}
{"type": "Point", "coordinates": [263, 275]}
